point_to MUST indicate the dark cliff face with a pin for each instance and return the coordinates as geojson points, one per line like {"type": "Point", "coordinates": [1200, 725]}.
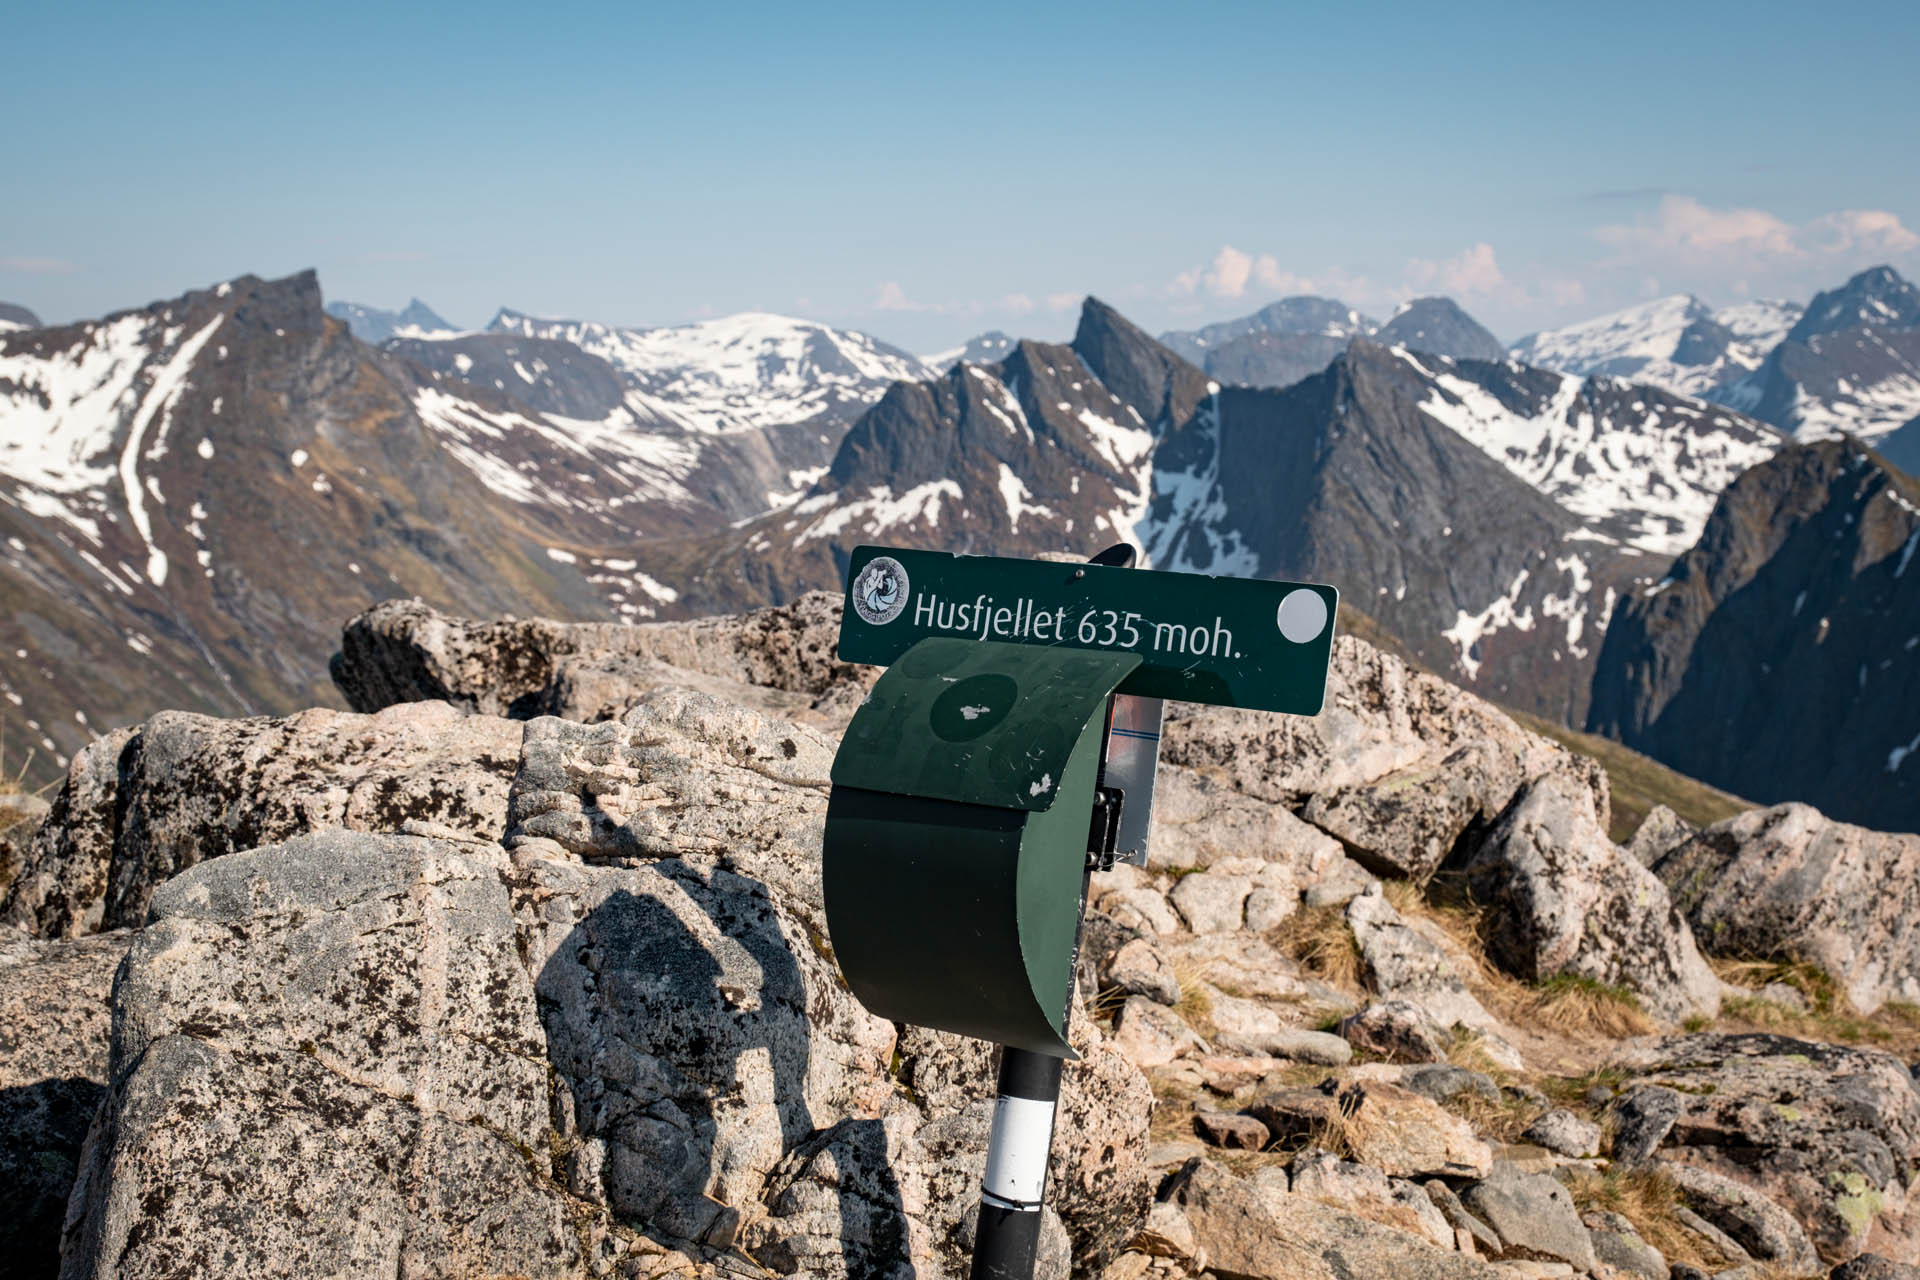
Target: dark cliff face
{"type": "Point", "coordinates": [1780, 658]}
{"type": "Point", "coordinates": [1342, 478]}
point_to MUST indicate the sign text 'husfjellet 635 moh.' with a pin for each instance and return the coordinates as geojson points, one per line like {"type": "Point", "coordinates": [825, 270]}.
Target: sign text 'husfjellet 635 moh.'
{"type": "Point", "coordinates": [1234, 641]}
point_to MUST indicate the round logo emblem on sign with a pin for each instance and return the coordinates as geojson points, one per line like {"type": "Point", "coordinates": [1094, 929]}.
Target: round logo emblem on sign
{"type": "Point", "coordinates": [880, 592]}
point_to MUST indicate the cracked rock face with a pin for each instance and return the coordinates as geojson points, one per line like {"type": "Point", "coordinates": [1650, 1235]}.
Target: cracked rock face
{"type": "Point", "coordinates": [326, 1061]}
{"type": "Point", "coordinates": [143, 804]}
{"type": "Point", "coordinates": [1397, 766]}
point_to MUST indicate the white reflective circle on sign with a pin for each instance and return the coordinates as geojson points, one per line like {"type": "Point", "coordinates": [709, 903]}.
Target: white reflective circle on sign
{"type": "Point", "coordinates": [1303, 615]}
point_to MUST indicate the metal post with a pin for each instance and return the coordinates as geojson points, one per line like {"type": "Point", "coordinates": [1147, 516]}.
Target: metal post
{"type": "Point", "coordinates": [1007, 1238]}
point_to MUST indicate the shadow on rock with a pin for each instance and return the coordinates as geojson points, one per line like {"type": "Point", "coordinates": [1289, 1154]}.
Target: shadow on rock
{"type": "Point", "coordinates": [44, 1124]}
{"type": "Point", "coordinates": [678, 1018]}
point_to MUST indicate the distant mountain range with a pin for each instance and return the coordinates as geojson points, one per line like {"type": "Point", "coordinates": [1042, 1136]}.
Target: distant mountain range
{"type": "Point", "coordinates": [1296, 338]}
{"type": "Point", "coordinates": [370, 324]}
{"type": "Point", "coordinates": [193, 495]}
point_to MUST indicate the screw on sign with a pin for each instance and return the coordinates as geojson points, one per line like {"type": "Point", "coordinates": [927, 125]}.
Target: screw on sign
{"type": "Point", "coordinates": [1007, 753]}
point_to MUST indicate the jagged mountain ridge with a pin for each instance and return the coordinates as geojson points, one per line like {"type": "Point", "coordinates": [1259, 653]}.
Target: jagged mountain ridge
{"type": "Point", "coordinates": [607, 505]}
{"type": "Point", "coordinates": [1776, 659]}
{"type": "Point", "coordinates": [1115, 435]}
{"type": "Point", "coordinates": [1850, 366]}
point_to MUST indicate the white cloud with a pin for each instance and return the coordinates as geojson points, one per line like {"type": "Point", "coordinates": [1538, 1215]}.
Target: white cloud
{"type": "Point", "coordinates": [1682, 229]}
{"type": "Point", "coordinates": [1869, 231]}
{"type": "Point", "coordinates": [1566, 293]}
{"type": "Point", "coordinates": [32, 266]}
{"type": "Point", "coordinates": [1018, 303]}
{"type": "Point", "coordinates": [1472, 271]}
{"type": "Point", "coordinates": [1232, 270]}
{"type": "Point", "coordinates": [893, 298]}
{"type": "Point", "coordinates": [1062, 301]}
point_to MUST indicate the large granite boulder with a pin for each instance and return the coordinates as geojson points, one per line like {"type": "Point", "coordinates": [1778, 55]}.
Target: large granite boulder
{"type": "Point", "coordinates": [1570, 901]}
{"type": "Point", "coordinates": [406, 651]}
{"type": "Point", "coordinates": [55, 1018]}
{"type": "Point", "coordinates": [1829, 1133]}
{"type": "Point", "coordinates": [141, 805]}
{"type": "Point", "coordinates": [1398, 765]}
{"type": "Point", "coordinates": [328, 1060]}
{"type": "Point", "coordinates": [1787, 881]}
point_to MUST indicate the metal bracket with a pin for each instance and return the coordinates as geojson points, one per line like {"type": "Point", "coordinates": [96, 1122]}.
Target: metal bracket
{"type": "Point", "coordinates": [1103, 833]}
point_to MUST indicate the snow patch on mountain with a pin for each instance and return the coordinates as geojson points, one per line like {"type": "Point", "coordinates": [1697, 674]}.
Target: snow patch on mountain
{"type": "Point", "coordinates": [876, 513]}
{"type": "Point", "coordinates": [495, 446]}
{"type": "Point", "coordinates": [1648, 465]}
{"type": "Point", "coordinates": [739, 372]}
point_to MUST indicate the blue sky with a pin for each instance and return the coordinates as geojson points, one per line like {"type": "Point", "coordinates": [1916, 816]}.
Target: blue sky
{"type": "Point", "coordinates": [925, 174]}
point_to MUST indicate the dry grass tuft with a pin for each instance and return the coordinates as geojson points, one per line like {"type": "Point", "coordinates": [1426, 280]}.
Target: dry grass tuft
{"type": "Point", "coordinates": [1319, 939]}
{"type": "Point", "coordinates": [1647, 1199]}
{"type": "Point", "coordinates": [1830, 1016]}
{"type": "Point", "coordinates": [1343, 1132]}
{"type": "Point", "coordinates": [1572, 1005]}
{"type": "Point", "coordinates": [1195, 1005]}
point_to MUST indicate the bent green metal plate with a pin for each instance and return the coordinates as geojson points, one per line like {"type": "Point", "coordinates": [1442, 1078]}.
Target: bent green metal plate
{"type": "Point", "coordinates": [953, 878]}
{"type": "Point", "coordinates": [978, 722]}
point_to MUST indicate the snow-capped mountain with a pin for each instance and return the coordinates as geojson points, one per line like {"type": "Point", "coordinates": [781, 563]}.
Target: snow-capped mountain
{"type": "Point", "coordinates": [1279, 344]}
{"type": "Point", "coordinates": [15, 316]}
{"type": "Point", "coordinates": [194, 494]}
{"type": "Point", "coordinates": [1677, 342]}
{"type": "Point", "coordinates": [1879, 297]}
{"type": "Point", "coordinates": [370, 324]}
{"type": "Point", "coordinates": [1851, 365]}
{"type": "Point", "coordinates": [1487, 513]}
{"type": "Point", "coordinates": [985, 348]}
{"type": "Point", "coordinates": [740, 372]}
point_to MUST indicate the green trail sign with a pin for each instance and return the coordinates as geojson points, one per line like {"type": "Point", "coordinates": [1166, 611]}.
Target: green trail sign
{"type": "Point", "coordinates": [1236, 642]}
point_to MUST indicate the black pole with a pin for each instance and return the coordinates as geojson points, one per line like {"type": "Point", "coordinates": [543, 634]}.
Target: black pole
{"type": "Point", "coordinates": [1006, 1240]}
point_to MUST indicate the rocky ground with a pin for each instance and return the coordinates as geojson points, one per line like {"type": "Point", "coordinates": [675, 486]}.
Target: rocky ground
{"type": "Point", "coordinates": [522, 969]}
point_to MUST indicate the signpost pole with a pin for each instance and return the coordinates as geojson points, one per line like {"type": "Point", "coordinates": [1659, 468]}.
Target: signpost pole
{"type": "Point", "coordinates": [1007, 1238]}
{"type": "Point", "coordinates": [945, 851]}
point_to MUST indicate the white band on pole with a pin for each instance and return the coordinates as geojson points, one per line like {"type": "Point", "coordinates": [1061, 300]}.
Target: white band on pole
{"type": "Point", "coordinates": [1017, 1150]}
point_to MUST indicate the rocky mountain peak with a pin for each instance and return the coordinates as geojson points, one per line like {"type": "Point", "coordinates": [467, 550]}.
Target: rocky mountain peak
{"type": "Point", "coordinates": [15, 316]}
{"type": "Point", "coordinates": [1441, 327]}
{"type": "Point", "coordinates": [1157, 384]}
{"type": "Point", "coordinates": [1877, 296]}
